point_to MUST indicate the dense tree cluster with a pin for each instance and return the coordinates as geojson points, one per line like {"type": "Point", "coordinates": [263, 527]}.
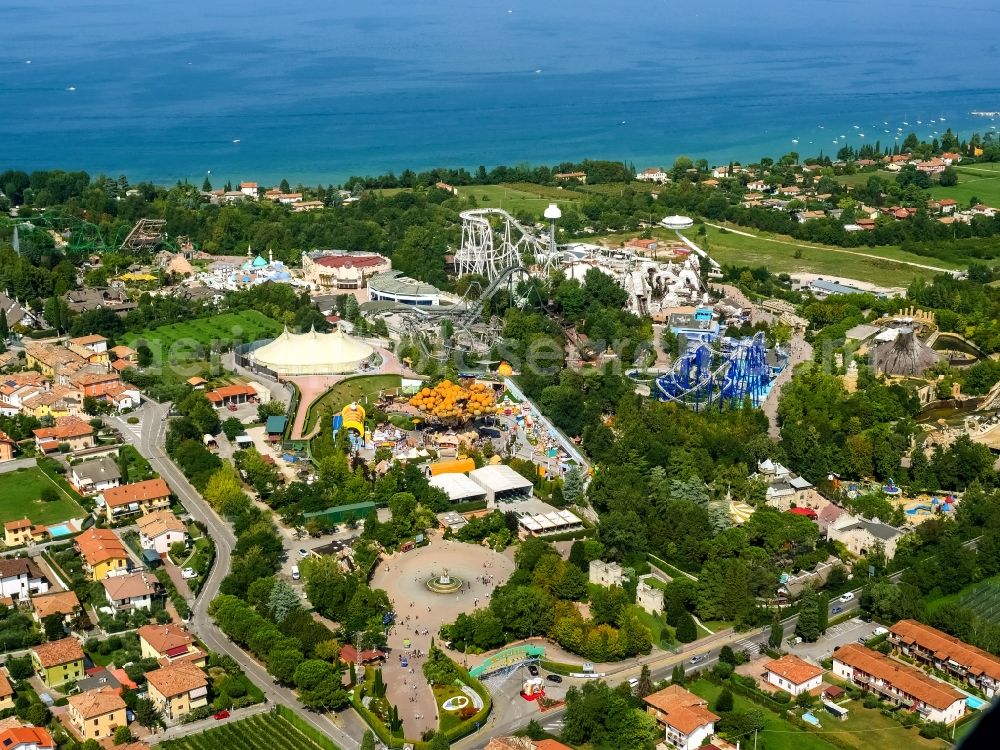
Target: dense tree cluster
{"type": "Point", "coordinates": [539, 599]}
{"type": "Point", "coordinates": [600, 716]}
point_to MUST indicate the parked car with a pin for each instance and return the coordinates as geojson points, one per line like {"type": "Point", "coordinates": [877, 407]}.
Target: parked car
{"type": "Point", "coordinates": [553, 678]}
{"type": "Point", "coordinates": [303, 553]}
{"type": "Point", "coordinates": [295, 573]}
{"type": "Point", "coordinates": [533, 670]}
{"type": "Point", "coordinates": [188, 573]}
{"type": "Point", "coordinates": [880, 631]}
{"type": "Point", "coordinates": [633, 682]}
{"type": "Point", "coordinates": [223, 714]}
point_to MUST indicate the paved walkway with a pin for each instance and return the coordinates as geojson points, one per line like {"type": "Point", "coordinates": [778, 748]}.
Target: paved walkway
{"type": "Point", "coordinates": [17, 463]}
{"type": "Point", "coordinates": [420, 614]}
{"type": "Point", "coordinates": [311, 387]}
{"type": "Point", "coordinates": [183, 730]}
{"type": "Point", "coordinates": [801, 352]}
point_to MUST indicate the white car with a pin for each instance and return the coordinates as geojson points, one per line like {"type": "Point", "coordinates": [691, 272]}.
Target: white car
{"type": "Point", "coordinates": [188, 573]}
{"type": "Point", "coordinates": [847, 597]}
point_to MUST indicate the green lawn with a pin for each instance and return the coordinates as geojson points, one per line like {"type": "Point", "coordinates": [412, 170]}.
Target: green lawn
{"type": "Point", "coordinates": [182, 338]}
{"type": "Point", "coordinates": [518, 196]}
{"type": "Point", "coordinates": [21, 496]}
{"type": "Point", "coordinates": [138, 467]}
{"type": "Point", "coordinates": [773, 252]}
{"type": "Point", "coordinates": [862, 724]}
{"type": "Point", "coordinates": [777, 254]}
{"type": "Point", "coordinates": [777, 734]}
{"type": "Point", "coordinates": [347, 391]}
{"type": "Point", "coordinates": [861, 178]}
{"type": "Point", "coordinates": [859, 730]}
{"type": "Point", "coordinates": [260, 732]}
{"type": "Point", "coordinates": [657, 625]}
{"type": "Point", "coordinates": [980, 181]}
{"type": "Point", "coordinates": [449, 719]}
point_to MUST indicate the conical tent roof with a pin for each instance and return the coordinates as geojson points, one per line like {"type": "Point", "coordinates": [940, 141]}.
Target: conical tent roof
{"type": "Point", "coordinates": [313, 353]}
{"type": "Point", "coordinates": [905, 355]}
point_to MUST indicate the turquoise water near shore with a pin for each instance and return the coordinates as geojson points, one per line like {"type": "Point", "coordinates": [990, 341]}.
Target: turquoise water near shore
{"type": "Point", "coordinates": [317, 92]}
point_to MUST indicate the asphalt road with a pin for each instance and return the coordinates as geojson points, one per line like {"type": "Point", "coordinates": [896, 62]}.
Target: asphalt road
{"type": "Point", "coordinates": [345, 728]}
{"type": "Point", "coordinates": [511, 715]}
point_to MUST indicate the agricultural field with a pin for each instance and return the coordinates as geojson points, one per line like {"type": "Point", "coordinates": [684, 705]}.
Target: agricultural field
{"type": "Point", "coordinates": [983, 598]}
{"type": "Point", "coordinates": [979, 181]}
{"type": "Point", "coordinates": [225, 329]}
{"type": "Point", "coordinates": [22, 490]}
{"type": "Point", "coordinates": [260, 732]}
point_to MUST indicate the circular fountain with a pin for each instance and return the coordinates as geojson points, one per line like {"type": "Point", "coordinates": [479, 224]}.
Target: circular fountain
{"type": "Point", "coordinates": [444, 583]}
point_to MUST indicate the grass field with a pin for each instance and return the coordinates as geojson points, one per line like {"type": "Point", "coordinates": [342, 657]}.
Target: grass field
{"type": "Point", "coordinates": [777, 733]}
{"type": "Point", "coordinates": [777, 254]}
{"type": "Point", "coordinates": [346, 391]}
{"type": "Point", "coordinates": [861, 178]}
{"type": "Point", "coordinates": [21, 492]}
{"type": "Point", "coordinates": [519, 196]}
{"type": "Point", "coordinates": [245, 326]}
{"type": "Point", "coordinates": [980, 181]}
{"type": "Point", "coordinates": [261, 732]}
{"type": "Point", "coordinates": [862, 724]}
{"type": "Point", "coordinates": [859, 730]}
{"type": "Point", "coordinates": [983, 598]}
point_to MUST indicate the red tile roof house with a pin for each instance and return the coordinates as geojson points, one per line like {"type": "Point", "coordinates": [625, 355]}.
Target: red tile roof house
{"type": "Point", "coordinates": [793, 675]}
{"type": "Point", "coordinates": [349, 655]}
{"type": "Point", "coordinates": [168, 644]}
{"type": "Point", "coordinates": [900, 683]}
{"type": "Point", "coordinates": [232, 394]}
{"type": "Point", "coordinates": [947, 653]}
{"type": "Point", "coordinates": [685, 718]}
{"type": "Point", "coordinates": [70, 430]}
{"type": "Point", "coordinates": [148, 496]}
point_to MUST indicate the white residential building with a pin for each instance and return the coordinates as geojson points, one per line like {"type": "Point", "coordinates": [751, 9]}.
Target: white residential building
{"type": "Point", "coordinates": [899, 683]}
{"type": "Point", "coordinates": [684, 717]}
{"type": "Point", "coordinates": [793, 675]}
{"type": "Point", "coordinates": [159, 530]}
{"type": "Point", "coordinates": [20, 579]}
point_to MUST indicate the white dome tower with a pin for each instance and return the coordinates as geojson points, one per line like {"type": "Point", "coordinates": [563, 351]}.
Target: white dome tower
{"type": "Point", "coordinates": [553, 214]}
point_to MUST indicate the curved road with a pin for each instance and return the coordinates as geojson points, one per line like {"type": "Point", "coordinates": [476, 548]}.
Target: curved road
{"type": "Point", "coordinates": [148, 438]}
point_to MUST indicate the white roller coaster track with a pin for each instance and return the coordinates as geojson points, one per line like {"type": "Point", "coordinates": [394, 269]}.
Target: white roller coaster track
{"type": "Point", "coordinates": [489, 251]}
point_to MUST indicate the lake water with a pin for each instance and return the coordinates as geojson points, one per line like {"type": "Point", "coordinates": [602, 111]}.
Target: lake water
{"type": "Point", "coordinates": [320, 91]}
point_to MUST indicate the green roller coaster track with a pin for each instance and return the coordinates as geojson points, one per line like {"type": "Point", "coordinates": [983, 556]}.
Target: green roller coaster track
{"type": "Point", "coordinates": [81, 235]}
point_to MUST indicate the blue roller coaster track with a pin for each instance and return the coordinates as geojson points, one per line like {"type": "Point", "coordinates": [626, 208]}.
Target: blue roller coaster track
{"type": "Point", "coordinates": [727, 372]}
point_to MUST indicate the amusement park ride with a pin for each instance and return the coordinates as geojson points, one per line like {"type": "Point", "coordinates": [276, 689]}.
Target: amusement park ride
{"type": "Point", "coordinates": [722, 373]}
{"type": "Point", "coordinates": [711, 372]}
{"type": "Point", "coordinates": [79, 236]}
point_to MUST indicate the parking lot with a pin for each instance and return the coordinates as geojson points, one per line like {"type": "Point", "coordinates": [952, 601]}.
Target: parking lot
{"type": "Point", "coordinates": [837, 635]}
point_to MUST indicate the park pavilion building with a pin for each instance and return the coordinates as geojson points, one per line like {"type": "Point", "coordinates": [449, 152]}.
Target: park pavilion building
{"type": "Point", "coordinates": [314, 353]}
